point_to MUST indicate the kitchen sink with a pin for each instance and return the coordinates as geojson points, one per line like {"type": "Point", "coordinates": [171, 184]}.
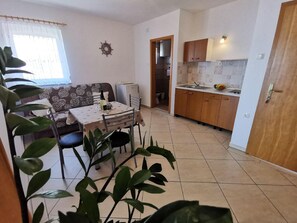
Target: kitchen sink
{"type": "Point", "coordinates": [194, 86]}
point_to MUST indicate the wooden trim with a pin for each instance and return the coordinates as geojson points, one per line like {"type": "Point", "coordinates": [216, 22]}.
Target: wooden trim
{"type": "Point", "coordinates": [33, 20]}
{"type": "Point", "coordinates": [153, 65]}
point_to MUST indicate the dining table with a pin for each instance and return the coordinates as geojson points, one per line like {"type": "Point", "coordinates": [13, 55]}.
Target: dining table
{"type": "Point", "coordinates": [90, 117]}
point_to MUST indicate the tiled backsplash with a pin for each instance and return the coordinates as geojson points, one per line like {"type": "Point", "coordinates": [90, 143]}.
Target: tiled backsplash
{"type": "Point", "coordinates": [209, 73]}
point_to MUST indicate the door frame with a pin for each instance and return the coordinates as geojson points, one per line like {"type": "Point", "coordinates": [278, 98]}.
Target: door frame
{"type": "Point", "coordinates": [153, 70]}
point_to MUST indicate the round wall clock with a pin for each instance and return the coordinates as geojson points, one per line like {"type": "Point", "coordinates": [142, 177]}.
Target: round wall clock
{"type": "Point", "coordinates": [106, 48]}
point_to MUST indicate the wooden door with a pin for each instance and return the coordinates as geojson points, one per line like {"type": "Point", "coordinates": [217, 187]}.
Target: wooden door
{"type": "Point", "coordinates": [180, 106]}
{"type": "Point", "coordinates": [200, 50]}
{"type": "Point", "coordinates": [194, 105]}
{"type": "Point", "coordinates": [189, 49]}
{"type": "Point", "coordinates": [274, 131]}
{"type": "Point", "coordinates": [210, 108]}
{"type": "Point", "coordinates": [227, 112]}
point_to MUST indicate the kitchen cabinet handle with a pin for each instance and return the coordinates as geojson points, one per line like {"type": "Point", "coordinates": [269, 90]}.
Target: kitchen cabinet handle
{"type": "Point", "coordinates": [270, 91]}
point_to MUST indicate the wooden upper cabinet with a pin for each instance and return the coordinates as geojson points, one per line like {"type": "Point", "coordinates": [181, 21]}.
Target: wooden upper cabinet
{"type": "Point", "coordinates": [194, 108]}
{"type": "Point", "coordinates": [227, 112]}
{"type": "Point", "coordinates": [198, 50]}
{"type": "Point", "coordinates": [180, 106]}
{"type": "Point", "coordinates": [211, 108]}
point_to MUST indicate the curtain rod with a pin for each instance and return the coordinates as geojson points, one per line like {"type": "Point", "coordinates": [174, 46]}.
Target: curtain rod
{"type": "Point", "coordinates": [32, 20]}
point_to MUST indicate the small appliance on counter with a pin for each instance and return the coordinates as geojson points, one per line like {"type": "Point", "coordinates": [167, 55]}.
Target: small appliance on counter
{"type": "Point", "coordinates": [123, 90]}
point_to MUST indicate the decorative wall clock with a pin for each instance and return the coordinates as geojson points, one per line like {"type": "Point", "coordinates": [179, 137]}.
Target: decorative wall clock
{"type": "Point", "coordinates": [106, 48]}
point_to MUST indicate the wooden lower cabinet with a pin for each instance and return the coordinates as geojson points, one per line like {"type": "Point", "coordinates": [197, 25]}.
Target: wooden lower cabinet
{"type": "Point", "coordinates": [211, 108]}
{"type": "Point", "coordinates": [181, 102]}
{"type": "Point", "coordinates": [227, 113]}
{"type": "Point", "coordinates": [214, 109]}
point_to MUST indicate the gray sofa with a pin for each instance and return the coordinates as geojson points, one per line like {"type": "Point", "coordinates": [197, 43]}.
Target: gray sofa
{"type": "Point", "coordinates": [66, 97]}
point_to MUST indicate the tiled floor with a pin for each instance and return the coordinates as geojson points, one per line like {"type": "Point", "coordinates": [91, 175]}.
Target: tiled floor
{"type": "Point", "coordinates": [206, 170]}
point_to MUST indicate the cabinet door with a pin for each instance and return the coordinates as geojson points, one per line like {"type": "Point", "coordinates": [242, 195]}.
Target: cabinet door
{"type": "Point", "coordinates": [227, 112]}
{"type": "Point", "coordinates": [200, 50]}
{"type": "Point", "coordinates": [180, 106]}
{"type": "Point", "coordinates": [195, 101]}
{"type": "Point", "coordinates": [211, 108]}
{"type": "Point", "coordinates": [189, 49]}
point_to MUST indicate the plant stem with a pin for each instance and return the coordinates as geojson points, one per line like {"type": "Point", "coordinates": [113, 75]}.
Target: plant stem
{"type": "Point", "coordinates": [133, 209]}
{"type": "Point", "coordinates": [17, 178]}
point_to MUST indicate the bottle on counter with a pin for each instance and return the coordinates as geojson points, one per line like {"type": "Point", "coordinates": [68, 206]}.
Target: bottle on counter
{"type": "Point", "coordinates": [102, 101]}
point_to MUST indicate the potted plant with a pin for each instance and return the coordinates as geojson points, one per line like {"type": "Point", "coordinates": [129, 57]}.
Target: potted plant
{"type": "Point", "coordinates": [127, 182]}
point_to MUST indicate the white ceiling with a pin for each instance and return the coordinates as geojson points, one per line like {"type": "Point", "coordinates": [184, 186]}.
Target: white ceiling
{"type": "Point", "coordinates": [131, 11]}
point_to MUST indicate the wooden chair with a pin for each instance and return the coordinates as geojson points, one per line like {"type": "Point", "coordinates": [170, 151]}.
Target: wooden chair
{"type": "Point", "coordinates": [117, 122]}
{"type": "Point", "coordinates": [70, 140]}
{"type": "Point", "coordinates": [135, 102]}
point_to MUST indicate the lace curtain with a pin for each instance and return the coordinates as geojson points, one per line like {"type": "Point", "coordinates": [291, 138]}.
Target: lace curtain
{"type": "Point", "coordinates": [41, 47]}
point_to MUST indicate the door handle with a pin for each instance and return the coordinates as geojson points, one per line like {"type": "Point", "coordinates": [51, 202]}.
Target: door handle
{"type": "Point", "coordinates": [270, 91]}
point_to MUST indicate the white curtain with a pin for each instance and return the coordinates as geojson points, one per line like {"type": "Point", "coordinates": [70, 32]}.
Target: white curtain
{"type": "Point", "coordinates": [41, 47]}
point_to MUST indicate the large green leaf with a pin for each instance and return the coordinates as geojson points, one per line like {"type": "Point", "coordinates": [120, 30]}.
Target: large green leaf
{"type": "Point", "coordinates": [38, 213]}
{"type": "Point", "coordinates": [140, 177]}
{"type": "Point", "coordinates": [90, 206]}
{"type": "Point", "coordinates": [163, 152]}
{"type": "Point", "coordinates": [190, 212]}
{"type": "Point", "coordinates": [15, 71]}
{"type": "Point", "coordinates": [28, 165]}
{"type": "Point", "coordinates": [52, 194]}
{"type": "Point", "coordinates": [12, 61]}
{"type": "Point", "coordinates": [121, 184]}
{"type": "Point", "coordinates": [141, 151]}
{"type": "Point", "coordinates": [102, 195]}
{"type": "Point", "coordinates": [39, 124]}
{"type": "Point", "coordinates": [14, 120]}
{"type": "Point", "coordinates": [24, 91]}
{"type": "Point", "coordinates": [156, 168]}
{"type": "Point", "coordinates": [135, 204]}
{"type": "Point", "coordinates": [149, 188]}
{"type": "Point", "coordinates": [80, 160]}
{"type": "Point", "coordinates": [38, 181]}
{"type": "Point", "coordinates": [72, 217]}
{"type": "Point", "coordinates": [17, 80]}
{"type": "Point", "coordinates": [29, 107]}
{"type": "Point", "coordinates": [3, 60]}
{"type": "Point", "coordinates": [8, 98]}
{"type": "Point", "coordinates": [103, 159]}
{"type": "Point", "coordinates": [84, 183]}
{"type": "Point", "coordinates": [39, 147]}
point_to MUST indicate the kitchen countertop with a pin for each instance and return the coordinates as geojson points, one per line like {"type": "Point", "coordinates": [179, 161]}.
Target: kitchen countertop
{"type": "Point", "coordinates": [210, 90]}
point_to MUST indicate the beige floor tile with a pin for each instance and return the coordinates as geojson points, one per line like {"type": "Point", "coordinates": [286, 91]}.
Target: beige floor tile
{"type": "Point", "coordinates": [250, 204]}
{"type": "Point", "coordinates": [182, 138]}
{"type": "Point", "coordinates": [159, 128]}
{"type": "Point", "coordinates": [188, 151]}
{"type": "Point", "coordinates": [179, 127]}
{"type": "Point", "coordinates": [173, 192]}
{"type": "Point", "coordinates": [205, 138]}
{"type": "Point", "coordinates": [291, 177]}
{"type": "Point", "coordinates": [239, 155]}
{"type": "Point", "coordinates": [228, 171]}
{"type": "Point", "coordinates": [263, 174]}
{"type": "Point", "coordinates": [223, 135]}
{"type": "Point", "coordinates": [214, 151]}
{"type": "Point", "coordinates": [205, 193]}
{"type": "Point", "coordinates": [284, 199]}
{"type": "Point", "coordinates": [161, 137]}
{"type": "Point", "coordinates": [71, 168]}
{"type": "Point", "coordinates": [198, 128]}
{"type": "Point", "coordinates": [191, 170]}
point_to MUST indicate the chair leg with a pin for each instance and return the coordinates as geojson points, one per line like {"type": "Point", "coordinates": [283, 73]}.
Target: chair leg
{"type": "Point", "coordinates": [62, 162]}
{"type": "Point", "coordinates": [140, 139]}
{"type": "Point", "coordinates": [125, 148]}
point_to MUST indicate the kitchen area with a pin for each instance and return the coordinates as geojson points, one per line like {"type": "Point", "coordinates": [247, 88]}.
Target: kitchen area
{"type": "Point", "coordinates": [208, 90]}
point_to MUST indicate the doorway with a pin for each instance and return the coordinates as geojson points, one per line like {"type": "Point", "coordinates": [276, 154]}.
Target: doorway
{"type": "Point", "coordinates": [161, 71]}
{"type": "Point", "coordinates": [273, 135]}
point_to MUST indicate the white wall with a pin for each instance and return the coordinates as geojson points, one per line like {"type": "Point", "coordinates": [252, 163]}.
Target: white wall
{"type": "Point", "coordinates": [158, 27]}
{"type": "Point", "coordinates": [265, 27]}
{"type": "Point", "coordinates": [236, 20]}
{"type": "Point", "coordinates": [82, 37]}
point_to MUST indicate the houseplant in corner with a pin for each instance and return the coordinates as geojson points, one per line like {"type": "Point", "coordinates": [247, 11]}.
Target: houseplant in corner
{"type": "Point", "coordinates": [127, 182]}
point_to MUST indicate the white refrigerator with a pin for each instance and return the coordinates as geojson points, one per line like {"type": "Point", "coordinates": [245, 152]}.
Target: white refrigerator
{"type": "Point", "coordinates": [123, 91]}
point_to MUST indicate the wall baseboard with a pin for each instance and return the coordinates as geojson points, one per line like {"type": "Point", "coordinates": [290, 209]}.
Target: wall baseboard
{"type": "Point", "coordinates": [233, 146]}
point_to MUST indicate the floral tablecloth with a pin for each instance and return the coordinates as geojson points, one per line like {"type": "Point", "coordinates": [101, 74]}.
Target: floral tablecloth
{"type": "Point", "coordinates": [90, 117]}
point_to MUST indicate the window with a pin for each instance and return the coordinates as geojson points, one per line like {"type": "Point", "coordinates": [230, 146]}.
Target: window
{"type": "Point", "coordinates": [41, 47]}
